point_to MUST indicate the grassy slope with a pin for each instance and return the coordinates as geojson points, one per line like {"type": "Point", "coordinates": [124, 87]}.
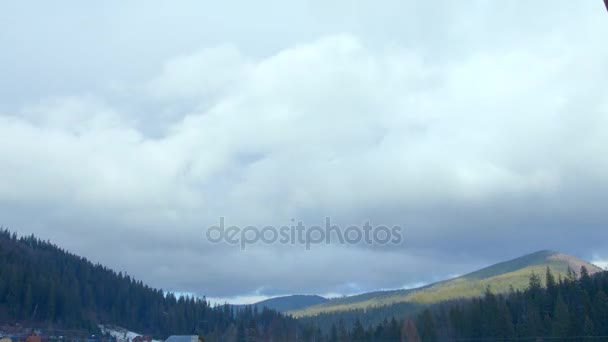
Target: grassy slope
{"type": "Point", "coordinates": [288, 303]}
{"type": "Point", "coordinates": [499, 277]}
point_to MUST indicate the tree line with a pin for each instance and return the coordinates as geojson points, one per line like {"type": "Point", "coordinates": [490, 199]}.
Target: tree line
{"type": "Point", "coordinates": [44, 286]}
{"type": "Point", "coordinates": [563, 309]}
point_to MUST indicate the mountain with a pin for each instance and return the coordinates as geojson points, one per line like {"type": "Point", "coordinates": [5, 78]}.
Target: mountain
{"type": "Point", "coordinates": [43, 286]}
{"type": "Point", "coordinates": [290, 303]}
{"type": "Point", "coordinates": [573, 309]}
{"type": "Point", "coordinates": [500, 278]}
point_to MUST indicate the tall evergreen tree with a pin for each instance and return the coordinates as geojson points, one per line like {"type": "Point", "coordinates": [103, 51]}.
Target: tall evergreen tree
{"type": "Point", "coordinates": [428, 329]}
{"type": "Point", "coordinates": [409, 332]}
{"type": "Point", "coordinates": [561, 319]}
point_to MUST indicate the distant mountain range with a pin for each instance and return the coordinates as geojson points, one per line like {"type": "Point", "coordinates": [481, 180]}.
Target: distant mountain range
{"type": "Point", "coordinates": [500, 278]}
{"type": "Point", "coordinates": [42, 285]}
{"type": "Point", "coordinates": [291, 303]}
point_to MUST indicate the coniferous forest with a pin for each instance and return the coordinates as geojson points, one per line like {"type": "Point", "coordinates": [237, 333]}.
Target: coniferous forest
{"type": "Point", "coordinates": [570, 309]}
{"type": "Point", "coordinates": [47, 287]}
{"type": "Point", "coordinates": [44, 286]}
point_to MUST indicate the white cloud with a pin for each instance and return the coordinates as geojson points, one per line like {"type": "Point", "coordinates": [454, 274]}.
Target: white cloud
{"type": "Point", "coordinates": [468, 150]}
{"type": "Point", "coordinates": [209, 73]}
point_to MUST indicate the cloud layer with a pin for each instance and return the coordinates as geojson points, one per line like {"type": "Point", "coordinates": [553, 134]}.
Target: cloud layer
{"type": "Point", "coordinates": [484, 139]}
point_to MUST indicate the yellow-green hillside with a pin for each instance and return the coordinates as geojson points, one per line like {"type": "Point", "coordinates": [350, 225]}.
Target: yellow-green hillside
{"type": "Point", "coordinates": [500, 278]}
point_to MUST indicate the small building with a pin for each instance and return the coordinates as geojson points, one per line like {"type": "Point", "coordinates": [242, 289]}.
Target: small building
{"type": "Point", "coordinates": [185, 338]}
{"type": "Point", "coordinates": [142, 339]}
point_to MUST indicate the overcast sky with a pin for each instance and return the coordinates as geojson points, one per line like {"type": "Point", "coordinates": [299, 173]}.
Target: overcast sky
{"type": "Point", "coordinates": [128, 127]}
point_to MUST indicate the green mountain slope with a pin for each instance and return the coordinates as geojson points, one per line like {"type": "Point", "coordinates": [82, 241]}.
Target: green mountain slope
{"type": "Point", "coordinates": [499, 277]}
{"type": "Point", "coordinates": [290, 303]}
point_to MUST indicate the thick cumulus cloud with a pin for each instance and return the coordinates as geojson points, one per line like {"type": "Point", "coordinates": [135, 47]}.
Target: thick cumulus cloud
{"type": "Point", "coordinates": [493, 151]}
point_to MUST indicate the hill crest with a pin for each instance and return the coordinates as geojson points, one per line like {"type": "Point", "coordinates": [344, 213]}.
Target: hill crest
{"type": "Point", "coordinates": [292, 302]}
{"type": "Point", "coordinates": [500, 277]}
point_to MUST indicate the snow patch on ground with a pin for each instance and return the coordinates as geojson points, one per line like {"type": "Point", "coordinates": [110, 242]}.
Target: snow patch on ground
{"type": "Point", "coordinates": [121, 334]}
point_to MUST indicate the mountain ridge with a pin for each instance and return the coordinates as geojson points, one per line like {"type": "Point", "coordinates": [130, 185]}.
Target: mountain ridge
{"type": "Point", "coordinates": [290, 302]}
{"type": "Point", "coordinates": [500, 277]}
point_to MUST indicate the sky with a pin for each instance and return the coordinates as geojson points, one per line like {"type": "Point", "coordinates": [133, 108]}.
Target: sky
{"type": "Point", "coordinates": [127, 128]}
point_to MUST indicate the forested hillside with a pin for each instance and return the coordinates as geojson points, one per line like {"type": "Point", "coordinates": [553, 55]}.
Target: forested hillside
{"type": "Point", "coordinates": [567, 309]}
{"type": "Point", "coordinates": [42, 285]}
{"type": "Point", "coordinates": [289, 303]}
{"type": "Point", "coordinates": [500, 277]}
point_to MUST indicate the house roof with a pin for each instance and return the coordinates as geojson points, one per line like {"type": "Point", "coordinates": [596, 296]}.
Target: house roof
{"type": "Point", "coordinates": [182, 338]}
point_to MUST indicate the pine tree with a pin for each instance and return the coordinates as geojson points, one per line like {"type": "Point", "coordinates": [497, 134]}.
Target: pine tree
{"type": "Point", "coordinates": [428, 329]}
{"type": "Point", "coordinates": [561, 319]}
{"type": "Point", "coordinates": [342, 333]}
{"type": "Point", "coordinates": [588, 329]}
{"type": "Point", "coordinates": [534, 285]}
{"type": "Point", "coordinates": [358, 331]}
{"type": "Point", "coordinates": [333, 337]}
{"type": "Point", "coordinates": [409, 333]}
{"type": "Point", "coordinates": [505, 327]}
{"type": "Point", "coordinates": [550, 284]}
{"type": "Point", "coordinates": [600, 312]}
